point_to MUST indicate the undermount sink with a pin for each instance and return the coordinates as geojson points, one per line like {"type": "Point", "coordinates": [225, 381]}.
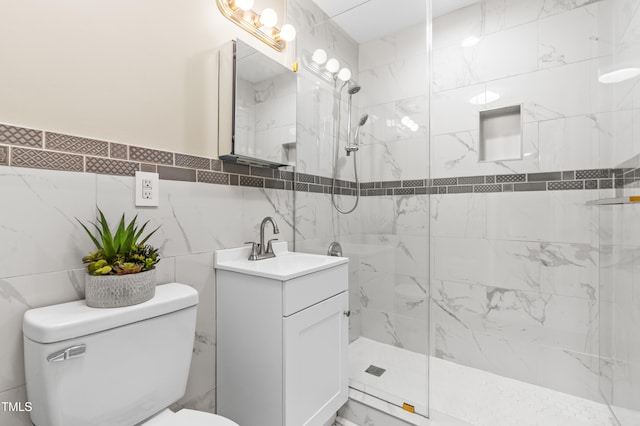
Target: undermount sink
{"type": "Point", "coordinates": [284, 266]}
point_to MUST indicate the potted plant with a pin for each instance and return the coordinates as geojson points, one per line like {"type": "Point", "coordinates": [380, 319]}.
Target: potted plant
{"type": "Point", "coordinates": [122, 270]}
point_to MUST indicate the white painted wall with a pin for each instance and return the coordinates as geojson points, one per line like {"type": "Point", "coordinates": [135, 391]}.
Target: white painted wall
{"type": "Point", "coordinates": [137, 72]}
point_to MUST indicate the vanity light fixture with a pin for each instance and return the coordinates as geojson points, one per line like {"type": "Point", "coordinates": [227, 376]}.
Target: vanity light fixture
{"type": "Point", "coordinates": [329, 69]}
{"type": "Point", "coordinates": [319, 56]}
{"type": "Point", "coordinates": [244, 4]}
{"type": "Point", "coordinates": [261, 25]}
{"type": "Point", "coordinates": [287, 32]}
{"type": "Point", "coordinates": [344, 74]}
{"type": "Point", "coordinates": [408, 122]}
{"type": "Point", "coordinates": [332, 65]}
{"type": "Point", "coordinates": [269, 18]}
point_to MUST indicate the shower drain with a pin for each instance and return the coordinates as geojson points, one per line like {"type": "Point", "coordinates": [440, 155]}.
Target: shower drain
{"type": "Point", "coordinates": [376, 371]}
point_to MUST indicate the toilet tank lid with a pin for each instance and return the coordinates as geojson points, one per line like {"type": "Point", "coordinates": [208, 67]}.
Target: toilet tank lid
{"type": "Point", "coordinates": [75, 319]}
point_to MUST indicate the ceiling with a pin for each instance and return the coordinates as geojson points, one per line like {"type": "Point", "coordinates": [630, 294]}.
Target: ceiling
{"type": "Point", "coordinates": [366, 20]}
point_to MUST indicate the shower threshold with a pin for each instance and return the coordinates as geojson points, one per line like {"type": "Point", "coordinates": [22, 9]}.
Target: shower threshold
{"type": "Point", "coordinates": [394, 375]}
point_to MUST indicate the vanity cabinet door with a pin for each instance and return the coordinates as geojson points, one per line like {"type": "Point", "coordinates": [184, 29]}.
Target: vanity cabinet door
{"type": "Point", "coordinates": [315, 364]}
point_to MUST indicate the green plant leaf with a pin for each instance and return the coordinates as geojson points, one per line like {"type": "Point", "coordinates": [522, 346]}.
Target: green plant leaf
{"type": "Point", "coordinates": [102, 271]}
{"type": "Point", "coordinates": [95, 241]}
{"type": "Point", "coordinates": [118, 237]}
{"type": "Point", "coordinates": [130, 234]}
{"type": "Point", "coordinates": [107, 238]}
{"type": "Point", "coordinates": [144, 240]}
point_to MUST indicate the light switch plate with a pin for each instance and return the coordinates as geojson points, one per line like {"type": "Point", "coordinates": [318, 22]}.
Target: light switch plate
{"type": "Point", "coordinates": [147, 189]}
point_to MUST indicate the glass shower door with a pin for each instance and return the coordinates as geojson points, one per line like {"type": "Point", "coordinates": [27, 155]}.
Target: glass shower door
{"type": "Point", "coordinates": [386, 237]}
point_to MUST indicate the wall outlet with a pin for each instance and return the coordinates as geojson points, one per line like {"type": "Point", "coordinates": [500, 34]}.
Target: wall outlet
{"type": "Point", "coordinates": [147, 189]}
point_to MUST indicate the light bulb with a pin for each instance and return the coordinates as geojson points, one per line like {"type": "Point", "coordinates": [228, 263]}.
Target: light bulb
{"type": "Point", "coordinates": [287, 32]}
{"type": "Point", "coordinates": [344, 74]}
{"type": "Point", "coordinates": [319, 56]}
{"type": "Point", "coordinates": [332, 65]}
{"type": "Point", "coordinates": [269, 18]}
{"type": "Point", "coordinates": [243, 4]}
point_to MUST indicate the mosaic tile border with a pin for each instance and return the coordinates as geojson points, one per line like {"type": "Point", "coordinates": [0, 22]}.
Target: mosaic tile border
{"type": "Point", "coordinates": [547, 181]}
{"type": "Point", "coordinates": [24, 147]}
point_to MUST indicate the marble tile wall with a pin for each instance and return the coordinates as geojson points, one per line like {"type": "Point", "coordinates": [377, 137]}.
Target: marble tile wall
{"type": "Point", "coordinates": [317, 105]}
{"type": "Point", "coordinates": [516, 278]}
{"type": "Point", "coordinates": [42, 245]}
{"type": "Point", "coordinates": [515, 287]}
{"type": "Point", "coordinates": [393, 76]}
{"type": "Point", "coordinates": [526, 56]}
{"type": "Point", "coordinates": [619, 313]}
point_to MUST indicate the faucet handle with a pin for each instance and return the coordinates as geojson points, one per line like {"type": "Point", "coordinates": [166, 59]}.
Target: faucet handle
{"type": "Point", "coordinates": [270, 246]}
{"type": "Point", "coordinates": [255, 250]}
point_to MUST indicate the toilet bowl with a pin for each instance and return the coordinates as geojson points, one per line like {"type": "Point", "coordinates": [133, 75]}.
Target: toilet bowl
{"type": "Point", "coordinates": [186, 417]}
{"type": "Point", "coordinates": [118, 367]}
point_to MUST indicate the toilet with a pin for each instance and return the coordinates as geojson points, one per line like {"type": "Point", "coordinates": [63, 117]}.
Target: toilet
{"type": "Point", "coordinates": [117, 367]}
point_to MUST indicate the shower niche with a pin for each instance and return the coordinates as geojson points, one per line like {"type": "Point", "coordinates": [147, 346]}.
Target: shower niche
{"type": "Point", "coordinates": [501, 134]}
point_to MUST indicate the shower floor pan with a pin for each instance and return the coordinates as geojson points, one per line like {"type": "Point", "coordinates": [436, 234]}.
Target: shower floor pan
{"type": "Point", "coordinates": [403, 381]}
{"type": "Point", "coordinates": [471, 396]}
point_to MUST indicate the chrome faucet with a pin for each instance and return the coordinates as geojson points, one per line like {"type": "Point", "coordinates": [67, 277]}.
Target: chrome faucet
{"type": "Point", "coordinates": [258, 250]}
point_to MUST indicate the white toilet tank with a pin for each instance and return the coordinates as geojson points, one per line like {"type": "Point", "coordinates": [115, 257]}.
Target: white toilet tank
{"type": "Point", "coordinates": [86, 366]}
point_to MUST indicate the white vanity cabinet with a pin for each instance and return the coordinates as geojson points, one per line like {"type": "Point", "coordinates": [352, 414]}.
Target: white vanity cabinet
{"type": "Point", "coordinates": [282, 346]}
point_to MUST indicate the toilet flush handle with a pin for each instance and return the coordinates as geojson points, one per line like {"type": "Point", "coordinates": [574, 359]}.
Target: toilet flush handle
{"type": "Point", "coordinates": [68, 353]}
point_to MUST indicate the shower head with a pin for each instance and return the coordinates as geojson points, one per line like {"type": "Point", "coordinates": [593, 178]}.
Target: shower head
{"type": "Point", "coordinates": [354, 88]}
{"type": "Point", "coordinates": [363, 119]}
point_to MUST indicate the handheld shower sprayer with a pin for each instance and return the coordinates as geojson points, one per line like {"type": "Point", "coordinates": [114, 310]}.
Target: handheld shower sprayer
{"type": "Point", "coordinates": [356, 137]}
{"type": "Point", "coordinates": [354, 146]}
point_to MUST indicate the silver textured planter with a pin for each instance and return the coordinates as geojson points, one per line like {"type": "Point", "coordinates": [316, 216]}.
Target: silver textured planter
{"type": "Point", "coordinates": [116, 291]}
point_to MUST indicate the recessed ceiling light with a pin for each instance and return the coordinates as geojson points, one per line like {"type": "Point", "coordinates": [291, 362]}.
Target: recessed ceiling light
{"type": "Point", "coordinates": [470, 41]}
{"type": "Point", "coordinates": [619, 75]}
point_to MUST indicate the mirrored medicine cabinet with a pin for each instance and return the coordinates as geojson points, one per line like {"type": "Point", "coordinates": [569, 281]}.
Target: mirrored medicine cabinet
{"type": "Point", "coordinates": [257, 108]}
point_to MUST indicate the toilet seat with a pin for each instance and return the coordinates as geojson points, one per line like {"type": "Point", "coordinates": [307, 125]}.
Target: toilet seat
{"type": "Point", "coordinates": [186, 417]}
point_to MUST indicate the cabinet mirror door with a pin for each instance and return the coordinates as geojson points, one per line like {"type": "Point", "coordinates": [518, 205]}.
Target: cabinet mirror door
{"type": "Point", "coordinates": [263, 123]}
